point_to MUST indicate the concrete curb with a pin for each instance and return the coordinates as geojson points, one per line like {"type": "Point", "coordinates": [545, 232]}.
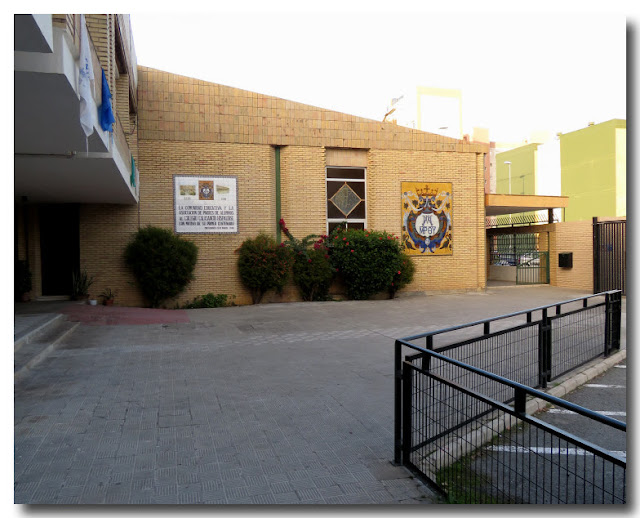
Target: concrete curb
{"type": "Point", "coordinates": [32, 334]}
{"type": "Point", "coordinates": [24, 370]}
{"type": "Point", "coordinates": [586, 374]}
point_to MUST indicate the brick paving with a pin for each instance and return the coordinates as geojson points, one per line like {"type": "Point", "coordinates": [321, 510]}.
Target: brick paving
{"type": "Point", "coordinates": [269, 404]}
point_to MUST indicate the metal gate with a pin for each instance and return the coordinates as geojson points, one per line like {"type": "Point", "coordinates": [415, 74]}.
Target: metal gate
{"type": "Point", "coordinates": [523, 252]}
{"type": "Point", "coordinates": [533, 268]}
{"type": "Point", "coordinates": [609, 255]}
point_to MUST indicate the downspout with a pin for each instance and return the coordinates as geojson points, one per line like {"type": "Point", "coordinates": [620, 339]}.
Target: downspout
{"type": "Point", "coordinates": [278, 196]}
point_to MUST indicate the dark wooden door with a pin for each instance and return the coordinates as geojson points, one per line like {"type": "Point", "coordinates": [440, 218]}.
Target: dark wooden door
{"type": "Point", "coordinates": [59, 247]}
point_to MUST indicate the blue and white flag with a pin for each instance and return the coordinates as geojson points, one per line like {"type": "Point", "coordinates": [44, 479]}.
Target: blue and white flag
{"type": "Point", "coordinates": [106, 111]}
{"type": "Point", "coordinates": [86, 84]}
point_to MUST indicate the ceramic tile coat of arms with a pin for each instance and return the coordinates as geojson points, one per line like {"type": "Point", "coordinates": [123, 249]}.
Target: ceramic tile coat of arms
{"type": "Point", "coordinates": [426, 218]}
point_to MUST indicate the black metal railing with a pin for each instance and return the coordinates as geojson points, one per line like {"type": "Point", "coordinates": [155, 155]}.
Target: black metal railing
{"type": "Point", "coordinates": [609, 255]}
{"type": "Point", "coordinates": [523, 219]}
{"type": "Point", "coordinates": [455, 427]}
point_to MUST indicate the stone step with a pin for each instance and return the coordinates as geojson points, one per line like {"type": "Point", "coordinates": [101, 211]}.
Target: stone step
{"type": "Point", "coordinates": [29, 328]}
{"type": "Point", "coordinates": [33, 352]}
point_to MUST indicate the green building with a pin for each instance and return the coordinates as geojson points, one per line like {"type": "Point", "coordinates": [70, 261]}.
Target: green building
{"type": "Point", "coordinates": [594, 168]}
{"type": "Point", "coordinates": [516, 170]}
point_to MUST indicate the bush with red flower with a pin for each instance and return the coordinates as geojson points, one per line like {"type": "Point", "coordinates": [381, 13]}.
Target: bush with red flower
{"type": "Point", "coordinates": [403, 276]}
{"type": "Point", "coordinates": [312, 270]}
{"type": "Point", "coordinates": [369, 262]}
{"type": "Point", "coordinates": [263, 265]}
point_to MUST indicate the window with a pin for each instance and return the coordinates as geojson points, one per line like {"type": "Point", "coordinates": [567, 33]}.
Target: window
{"type": "Point", "coordinates": [346, 197]}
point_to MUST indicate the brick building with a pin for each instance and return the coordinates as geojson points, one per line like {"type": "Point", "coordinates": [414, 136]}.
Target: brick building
{"type": "Point", "coordinates": [276, 158]}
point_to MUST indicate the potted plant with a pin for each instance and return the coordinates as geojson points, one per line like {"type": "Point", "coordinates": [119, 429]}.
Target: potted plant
{"type": "Point", "coordinates": [108, 296]}
{"type": "Point", "coordinates": [80, 284]}
{"type": "Point", "coordinates": [22, 281]}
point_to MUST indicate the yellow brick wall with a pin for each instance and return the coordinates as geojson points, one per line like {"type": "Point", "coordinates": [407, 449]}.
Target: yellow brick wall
{"type": "Point", "coordinates": [254, 167]}
{"type": "Point", "coordinates": [570, 236]}
{"type": "Point", "coordinates": [576, 237]}
{"type": "Point", "coordinates": [464, 269]}
{"type": "Point", "coordinates": [303, 190]}
{"type": "Point", "coordinates": [187, 109]}
{"type": "Point", "coordinates": [189, 127]}
{"type": "Point", "coordinates": [102, 30]}
{"type": "Point", "coordinates": [346, 157]}
{"type": "Point", "coordinates": [104, 232]}
{"type": "Point", "coordinates": [120, 103]}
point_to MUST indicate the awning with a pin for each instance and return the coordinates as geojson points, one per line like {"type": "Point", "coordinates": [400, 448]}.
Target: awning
{"type": "Point", "coordinates": [501, 204]}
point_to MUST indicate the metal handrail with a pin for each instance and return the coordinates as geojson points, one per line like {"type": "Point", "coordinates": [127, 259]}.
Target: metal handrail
{"type": "Point", "coordinates": [619, 425]}
{"type": "Point", "coordinates": [509, 315]}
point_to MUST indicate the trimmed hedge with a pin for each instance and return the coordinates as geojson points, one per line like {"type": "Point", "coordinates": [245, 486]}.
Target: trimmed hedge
{"type": "Point", "coordinates": [162, 263]}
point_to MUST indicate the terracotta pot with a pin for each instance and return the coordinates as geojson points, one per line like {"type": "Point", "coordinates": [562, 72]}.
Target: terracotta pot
{"type": "Point", "coordinates": [108, 302]}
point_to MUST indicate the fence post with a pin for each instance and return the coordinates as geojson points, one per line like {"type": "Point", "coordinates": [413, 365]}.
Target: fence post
{"type": "Point", "coordinates": [608, 324]}
{"type": "Point", "coordinates": [612, 324]}
{"type": "Point", "coordinates": [544, 349]}
{"type": "Point", "coordinates": [617, 321]}
{"type": "Point", "coordinates": [596, 256]}
{"type": "Point", "coordinates": [520, 403]}
{"type": "Point", "coordinates": [407, 382]}
{"type": "Point", "coordinates": [397, 440]}
{"type": "Point", "coordinates": [426, 365]}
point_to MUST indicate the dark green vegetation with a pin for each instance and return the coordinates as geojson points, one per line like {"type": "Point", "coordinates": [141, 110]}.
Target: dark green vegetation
{"type": "Point", "coordinates": [162, 263]}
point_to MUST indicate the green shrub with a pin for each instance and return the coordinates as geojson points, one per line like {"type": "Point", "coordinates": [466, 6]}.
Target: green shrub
{"type": "Point", "coordinates": [263, 265]}
{"type": "Point", "coordinates": [313, 275]}
{"type": "Point", "coordinates": [162, 263]}
{"type": "Point", "coordinates": [312, 270]}
{"type": "Point", "coordinates": [368, 261]}
{"type": "Point", "coordinates": [403, 276]}
{"type": "Point", "coordinates": [209, 300]}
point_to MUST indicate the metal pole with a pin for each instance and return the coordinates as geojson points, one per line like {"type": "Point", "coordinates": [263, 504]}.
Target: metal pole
{"type": "Point", "coordinates": [407, 395]}
{"type": "Point", "coordinates": [608, 328]}
{"type": "Point", "coordinates": [596, 256]}
{"type": "Point", "coordinates": [397, 442]}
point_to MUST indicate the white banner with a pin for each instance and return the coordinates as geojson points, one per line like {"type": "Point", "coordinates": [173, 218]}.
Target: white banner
{"type": "Point", "coordinates": [205, 204]}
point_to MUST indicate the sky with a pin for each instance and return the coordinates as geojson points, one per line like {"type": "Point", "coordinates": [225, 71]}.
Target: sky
{"type": "Point", "coordinates": [518, 72]}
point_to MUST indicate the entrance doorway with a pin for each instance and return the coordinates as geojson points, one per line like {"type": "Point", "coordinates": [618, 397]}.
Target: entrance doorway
{"type": "Point", "coordinates": [517, 258]}
{"type": "Point", "coordinates": [59, 247]}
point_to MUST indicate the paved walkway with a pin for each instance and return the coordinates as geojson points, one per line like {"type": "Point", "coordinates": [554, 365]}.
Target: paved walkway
{"type": "Point", "coordinates": [267, 404]}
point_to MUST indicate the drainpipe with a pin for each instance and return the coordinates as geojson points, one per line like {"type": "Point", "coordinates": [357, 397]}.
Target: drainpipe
{"type": "Point", "coordinates": [278, 196]}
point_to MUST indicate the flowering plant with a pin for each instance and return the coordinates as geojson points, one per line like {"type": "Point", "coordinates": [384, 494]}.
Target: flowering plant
{"type": "Point", "coordinates": [369, 261]}
{"type": "Point", "coordinates": [403, 276]}
{"type": "Point", "coordinates": [263, 265]}
{"type": "Point", "coordinates": [312, 271]}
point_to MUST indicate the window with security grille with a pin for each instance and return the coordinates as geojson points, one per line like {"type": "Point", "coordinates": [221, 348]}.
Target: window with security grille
{"type": "Point", "coordinates": [346, 197]}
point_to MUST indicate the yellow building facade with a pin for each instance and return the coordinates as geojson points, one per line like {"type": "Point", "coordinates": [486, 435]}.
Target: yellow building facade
{"type": "Point", "coordinates": [277, 158]}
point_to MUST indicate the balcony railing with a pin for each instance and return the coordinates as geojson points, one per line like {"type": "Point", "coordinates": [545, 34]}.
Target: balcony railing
{"type": "Point", "coordinates": [124, 25]}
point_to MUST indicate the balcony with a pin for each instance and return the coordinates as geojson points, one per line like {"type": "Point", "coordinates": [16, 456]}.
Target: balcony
{"type": "Point", "coordinates": [54, 161]}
